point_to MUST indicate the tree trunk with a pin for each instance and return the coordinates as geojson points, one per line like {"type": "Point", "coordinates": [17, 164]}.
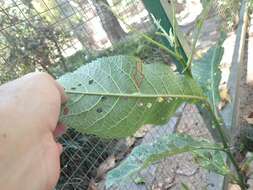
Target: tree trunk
{"type": "Point", "coordinates": [83, 34]}
{"type": "Point", "coordinates": [109, 22]}
{"type": "Point", "coordinates": [81, 29]}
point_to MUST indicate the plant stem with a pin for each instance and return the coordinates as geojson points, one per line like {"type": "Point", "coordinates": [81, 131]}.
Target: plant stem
{"type": "Point", "coordinates": [224, 141]}
{"type": "Point", "coordinates": [161, 46]}
{"type": "Point", "coordinates": [196, 33]}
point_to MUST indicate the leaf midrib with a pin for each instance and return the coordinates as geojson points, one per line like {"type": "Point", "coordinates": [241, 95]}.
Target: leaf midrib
{"type": "Point", "coordinates": [138, 95]}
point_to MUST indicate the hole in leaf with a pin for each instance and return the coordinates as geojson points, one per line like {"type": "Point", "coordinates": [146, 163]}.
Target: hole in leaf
{"type": "Point", "coordinates": [140, 104]}
{"type": "Point", "coordinates": [91, 81]}
{"type": "Point", "coordinates": [65, 110]}
{"type": "Point", "coordinates": [103, 98]}
{"type": "Point", "coordinates": [149, 105]}
{"type": "Point", "coordinates": [73, 88]}
{"type": "Point", "coordinates": [99, 110]}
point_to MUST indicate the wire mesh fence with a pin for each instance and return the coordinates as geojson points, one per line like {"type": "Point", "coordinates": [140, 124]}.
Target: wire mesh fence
{"type": "Point", "coordinates": [58, 36]}
{"type": "Point", "coordinates": [86, 159]}
{"type": "Point", "coordinates": [43, 34]}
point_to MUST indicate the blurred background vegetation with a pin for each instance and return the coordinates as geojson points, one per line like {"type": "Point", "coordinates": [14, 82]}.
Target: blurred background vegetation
{"type": "Point", "coordinates": [58, 36]}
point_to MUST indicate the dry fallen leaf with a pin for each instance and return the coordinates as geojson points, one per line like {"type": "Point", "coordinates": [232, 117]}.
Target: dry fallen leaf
{"type": "Point", "coordinates": [108, 164]}
{"type": "Point", "coordinates": [92, 185]}
{"type": "Point", "coordinates": [249, 119]}
{"type": "Point", "coordinates": [225, 97]}
{"type": "Point", "coordinates": [234, 187]}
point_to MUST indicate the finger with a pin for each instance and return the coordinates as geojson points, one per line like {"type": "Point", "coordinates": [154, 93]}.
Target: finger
{"type": "Point", "coordinates": [59, 130]}
{"type": "Point", "coordinates": [64, 97]}
{"type": "Point", "coordinates": [60, 148]}
{"type": "Point", "coordinates": [48, 77]}
{"type": "Point", "coordinates": [57, 85]}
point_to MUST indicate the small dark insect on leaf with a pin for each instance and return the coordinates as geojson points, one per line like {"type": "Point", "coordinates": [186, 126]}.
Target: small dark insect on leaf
{"type": "Point", "coordinates": [99, 110]}
{"type": "Point", "coordinates": [91, 81]}
{"type": "Point", "coordinates": [103, 98]}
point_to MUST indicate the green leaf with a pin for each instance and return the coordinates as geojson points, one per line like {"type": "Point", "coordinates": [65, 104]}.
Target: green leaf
{"type": "Point", "coordinates": [146, 154]}
{"type": "Point", "coordinates": [184, 186]}
{"type": "Point", "coordinates": [113, 97]}
{"type": "Point", "coordinates": [212, 160]}
{"type": "Point", "coordinates": [207, 73]}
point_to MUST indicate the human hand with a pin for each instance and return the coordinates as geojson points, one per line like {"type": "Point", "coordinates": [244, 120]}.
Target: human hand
{"type": "Point", "coordinates": [29, 111]}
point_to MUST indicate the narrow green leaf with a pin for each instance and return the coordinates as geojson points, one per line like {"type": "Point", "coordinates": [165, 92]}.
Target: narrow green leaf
{"type": "Point", "coordinates": [146, 154]}
{"type": "Point", "coordinates": [207, 73]}
{"type": "Point", "coordinates": [113, 97]}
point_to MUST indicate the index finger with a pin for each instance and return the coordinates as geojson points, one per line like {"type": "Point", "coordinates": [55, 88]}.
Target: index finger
{"type": "Point", "coordinates": [64, 97]}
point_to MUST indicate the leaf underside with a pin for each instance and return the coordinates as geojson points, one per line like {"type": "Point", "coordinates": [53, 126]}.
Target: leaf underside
{"type": "Point", "coordinates": [167, 146]}
{"type": "Point", "coordinates": [112, 97]}
{"type": "Point", "coordinates": [207, 73]}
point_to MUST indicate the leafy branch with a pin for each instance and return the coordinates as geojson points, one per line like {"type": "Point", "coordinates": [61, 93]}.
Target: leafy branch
{"type": "Point", "coordinates": [196, 33]}
{"type": "Point", "coordinates": [174, 54]}
{"type": "Point", "coordinates": [167, 146]}
{"type": "Point", "coordinates": [113, 97]}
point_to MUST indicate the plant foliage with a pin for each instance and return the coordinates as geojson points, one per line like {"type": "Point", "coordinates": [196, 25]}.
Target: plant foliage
{"type": "Point", "coordinates": [112, 97]}
{"type": "Point", "coordinates": [167, 146]}
{"type": "Point", "coordinates": [206, 71]}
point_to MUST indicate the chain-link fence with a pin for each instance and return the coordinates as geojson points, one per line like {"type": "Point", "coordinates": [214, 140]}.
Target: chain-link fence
{"type": "Point", "coordinates": [58, 36]}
